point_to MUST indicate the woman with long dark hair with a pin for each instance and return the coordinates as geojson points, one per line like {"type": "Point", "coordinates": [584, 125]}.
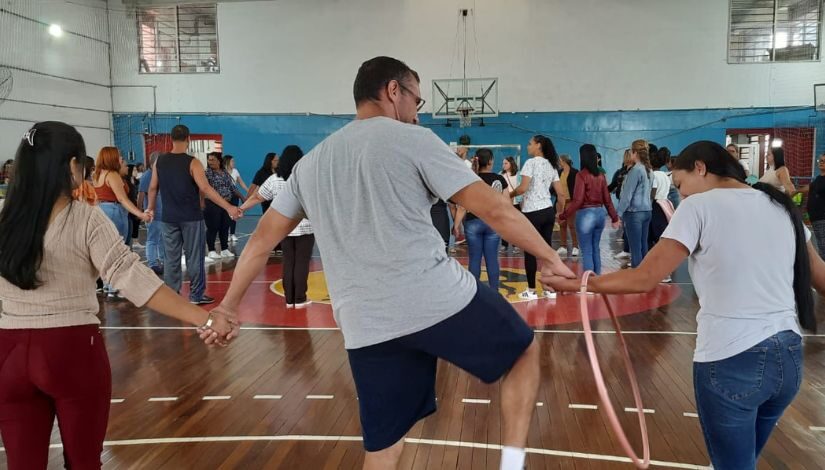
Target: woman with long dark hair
{"type": "Point", "coordinates": [777, 174]}
{"type": "Point", "coordinates": [267, 169]}
{"type": "Point", "coordinates": [591, 204]}
{"type": "Point", "coordinates": [509, 169]}
{"type": "Point", "coordinates": [635, 206]}
{"type": "Point", "coordinates": [748, 360]}
{"type": "Point", "coordinates": [54, 360]}
{"type": "Point", "coordinates": [537, 176]}
{"type": "Point", "coordinates": [298, 245]}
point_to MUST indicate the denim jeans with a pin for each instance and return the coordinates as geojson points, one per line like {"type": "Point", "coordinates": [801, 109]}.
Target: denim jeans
{"type": "Point", "coordinates": [741, 398]}
{"type": "Point", "coordinates": [482, 240]}
{"type": "Point", "coordinates": [154, 244]}
{"type": "Point", "coordinates": [118, 215]}
{"type": "Point", "coordinates": [189, 238]}
{"type": "Point", "coordinates": [589, 226]}
{"type": "Point", "coordinates": [637, 227]}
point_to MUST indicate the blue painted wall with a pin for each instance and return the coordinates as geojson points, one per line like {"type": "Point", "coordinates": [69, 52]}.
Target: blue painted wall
{"type": "Point", "coordinates": [250, 137]}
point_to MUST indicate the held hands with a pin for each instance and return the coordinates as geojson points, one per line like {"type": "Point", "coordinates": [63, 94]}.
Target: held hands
{"type": "Point", "coordinates": [617, 224]}
{"type": "Point", "coordinates": [556, 276]}
{"type": "Point", "coordinates": [225, 327]}
{"type": "Point", "coordinates": [147, 216]}
{"type": "Point", "coordinates": [235, 213]}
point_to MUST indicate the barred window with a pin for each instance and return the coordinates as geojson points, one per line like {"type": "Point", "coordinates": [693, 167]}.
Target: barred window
{"type": "Point", "coordinates": [774, 31]}
{"type": "Point", "coordinates": [178, 39]}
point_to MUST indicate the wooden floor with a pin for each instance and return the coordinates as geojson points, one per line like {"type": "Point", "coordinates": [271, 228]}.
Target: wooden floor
{"type": "Point", "coordinates": [283, 397]}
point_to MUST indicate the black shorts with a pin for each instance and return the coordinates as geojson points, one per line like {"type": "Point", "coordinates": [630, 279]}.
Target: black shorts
{"type": "Point", "coordinates": [395, 380]}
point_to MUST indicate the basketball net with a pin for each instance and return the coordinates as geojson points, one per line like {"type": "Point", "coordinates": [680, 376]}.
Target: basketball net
{"type": "Point", "coordinates": [465, 115]}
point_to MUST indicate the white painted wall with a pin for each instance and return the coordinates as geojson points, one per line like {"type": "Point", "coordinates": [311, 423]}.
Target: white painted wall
{"type": "Point", "coordinates": [551, 55]}
{"type": "Point", "coordinates": [27, 45]}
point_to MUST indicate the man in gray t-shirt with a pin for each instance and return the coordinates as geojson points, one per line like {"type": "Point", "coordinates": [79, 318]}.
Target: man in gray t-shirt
{"type": "Point", "coordinates": [400, 301]}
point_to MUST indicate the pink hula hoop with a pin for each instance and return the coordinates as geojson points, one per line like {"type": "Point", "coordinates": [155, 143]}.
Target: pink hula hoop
{"type": "Point", "coordinates": [607, 406]}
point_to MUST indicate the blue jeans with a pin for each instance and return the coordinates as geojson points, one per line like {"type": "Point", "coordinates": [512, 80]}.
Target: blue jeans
{"type": "Point", "coordinates": [482, 240]}
{"type": "Point", "coordinates": [741, 398]}
{"type": "Point", "coordinates": [189, 238]}
{"type": "Point", "coordinates": [589, 226]}
{"type": "Point", "coordinates": [118, 215]}
{"type": "Point", "coordinates": [155, 251]}
{"type": "Point", "coordinates": [637, 228]}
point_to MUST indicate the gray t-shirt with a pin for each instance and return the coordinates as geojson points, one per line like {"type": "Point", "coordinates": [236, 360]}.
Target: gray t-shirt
{"type": "Point", "coordinates": [367, 190]}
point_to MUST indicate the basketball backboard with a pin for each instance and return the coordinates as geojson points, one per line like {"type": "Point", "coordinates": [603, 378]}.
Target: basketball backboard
{"type": "Point", "coordinates": [819, 97]}
{"type": "Point", "coordinates": [463, 98]}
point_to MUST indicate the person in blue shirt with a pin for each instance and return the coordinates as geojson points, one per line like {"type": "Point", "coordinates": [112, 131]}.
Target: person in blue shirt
{"type": "Point", "coordinates": [154, 236]}
{"type": "Point", "coordinates": [635, 207]}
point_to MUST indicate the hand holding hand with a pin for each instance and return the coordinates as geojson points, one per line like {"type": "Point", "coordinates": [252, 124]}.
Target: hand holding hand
{"type": "Point", "coordinates": [225, 327]}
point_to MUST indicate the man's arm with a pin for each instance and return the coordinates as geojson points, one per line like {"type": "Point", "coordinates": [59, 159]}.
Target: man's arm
{"type": "Point", "coordinates": [153, 189]}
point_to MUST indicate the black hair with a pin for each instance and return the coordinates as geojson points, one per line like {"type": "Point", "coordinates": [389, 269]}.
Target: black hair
{"type": "Point", "coordinates": [513, 166]}
{"type": "Point", "coordinates": [267, 164]}
{"type": "Point", "coordinates": [289, 158]}
{"type": "Point", "coordinates": [548, 150]}
{"type": "Point", "coordinates": [719, 162]}
{"type": "Point", "coordinates": [485, 157]}
{"type": "Point", "coordinates": [227, 159]}
{"type": "Point", "coordinates": [589, 159]}
{"type": "Point", "coordinates": [464, 140]}
{"type": "Point", "coordinates": [376, 73]}
{"type": "Point", "coordinates": [88, 167]}
{"type": "Point", "coordinates": [219, 156]}
{"type": "Point", "coordinates": [42, 175]}
{"type": "Point", "coordinates": [661, 158]}
{"type": "Point", "coordinates": [778, 158]}
{"type": "Point", "coordinates": [652, 149]}
{"type": "Point", "coordinates": [180, 133]}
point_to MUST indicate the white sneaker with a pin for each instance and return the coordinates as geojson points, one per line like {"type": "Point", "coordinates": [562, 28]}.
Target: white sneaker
{"type": "Point", "coordinates": [209, 260]}
{"type": "Point", "coordinates": [576, 252]}
{"type": "Point", "coordinates": [668, 279]}
{"type": "Point", "coordinates": [304, 304]}
{"type": "Point", "coordinates": [227, 254]}
{"type": "Point", "coordinates": [214, 255]}
{"type": "Point", "coordinates": [290, 305]}
{"type": "Point", "coordinates": [183, 261]}
{"type": "Point", "coordinates": [528, 295]}
{"type": "Point", "coordinates": [562, 252]}
{"type": "Point", "coordinates": [233, 238]}
{"type": "Point", "coordinates": [137, 245]}
{"type": "Point", "coordinates": [622, 255]}
{"type": "Point", "coordinates": [549, 295]}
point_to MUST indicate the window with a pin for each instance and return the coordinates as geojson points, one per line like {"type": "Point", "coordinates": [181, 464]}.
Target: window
{"type": "Point", "coordinates": [178, 39]}
{"type": "Point", "coordinates": [774, 31]}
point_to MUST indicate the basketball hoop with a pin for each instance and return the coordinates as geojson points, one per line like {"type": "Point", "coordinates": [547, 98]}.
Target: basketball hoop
{"type": "Point", "coordinates": [607, 406]}
{"type": "Point", "coordinates": [465, 115]}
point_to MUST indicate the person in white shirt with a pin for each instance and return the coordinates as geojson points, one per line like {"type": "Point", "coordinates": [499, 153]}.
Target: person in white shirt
{"type": "Point", "coordinates": [537, 175]}
{"type": "Point", "coordinates": [748, 359]}
{"type": "Point", "coordinates": [229, 161]}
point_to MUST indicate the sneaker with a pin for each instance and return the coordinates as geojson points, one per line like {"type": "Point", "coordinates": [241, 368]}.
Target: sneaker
{"type": "Point", "coordinates": [138, 245]}
{"type": "Point", "coordinates": [208, 260]}
{"type": "Point", "coordinates": [227, 254]}
{"type": "Point", "coordinates": [114, 295]}
{"type": "Point", "coordinates": [528, 295]}
{"type": "Point", "coordinates": [214, 255]}
{"type": "Point", "coordinates": [562, 252]}
{"type": "Point", "coordinates": [668, 279]}
{"type": "Point", "coordinates": [549, 295]}
{"type": "Point", "coordinates": [576, 252]}
{"type": "Point", "coordinates": [290, 305]}
{"type": "Point", "coordinates": [183, 261]}
{"type": "Point", "coordinates": [622, 255]}
{"type": "Point", "coordinates": [233, 239]}
{"type": "Point", "coordinates": [204, 300]}
{"type": "Point", "coordinates": [304, 304]}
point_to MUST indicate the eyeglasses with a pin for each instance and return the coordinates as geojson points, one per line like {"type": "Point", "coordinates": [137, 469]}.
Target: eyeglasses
{"type": "Point", "coordinates": [419, 101]}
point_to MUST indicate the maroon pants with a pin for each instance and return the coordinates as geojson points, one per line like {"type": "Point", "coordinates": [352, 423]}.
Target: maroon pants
{"type": "Point", "coordinates": [47, 372]}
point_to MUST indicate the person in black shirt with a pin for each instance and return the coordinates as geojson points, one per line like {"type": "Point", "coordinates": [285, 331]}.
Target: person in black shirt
{"type": "Point", "coordinates": [266, 170]}
{"type": "Point", "coordinates": [816, 206]}
{"type": "Point", "coordinates": [481, 239]}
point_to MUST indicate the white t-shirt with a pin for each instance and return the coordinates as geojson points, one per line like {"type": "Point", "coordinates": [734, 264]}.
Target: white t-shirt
{"type": "Point", "coordinates": [542, 175]}
{"type": "Point", "coordinates": [741, 262]}
{"type": "Point", "coordinates": [661, 183]}
{"type": "Point", "coordinates": [469, 164]}
{"type": "Point", "coordinates": [235, 174]}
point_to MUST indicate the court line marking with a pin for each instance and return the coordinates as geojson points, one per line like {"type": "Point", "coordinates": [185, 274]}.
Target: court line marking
{"type": "Point", "coordinates": [476, 401]}
{"type": "Point", "coordinates": [300, 328]}
{"type": "Point", "coordinates": [118, 400]}
{"type": "Point", "coordinates": [644, 410]}
{"type": "Point", "coordinates": [320, 397]}
{"type": "Point", "coordinates": [577, 406]}
{"type": "Point", "coordinates": [217, 397]}
{"type": "Point", "coordinates": [267, 397]}
{"type": "Point", "coordinates": [541, 403]}
{"type": "Point", "coordinates": [687, 414]}
{"type": "Point", "coordinates": [154, 399]}
{"type": "Point", "coordinates": [409, 440]}
{"type": "Point", "coordinates": [817, 428]}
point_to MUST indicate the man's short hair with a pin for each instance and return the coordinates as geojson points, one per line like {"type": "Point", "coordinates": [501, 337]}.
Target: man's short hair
{"type": "Point", "coordinates": [464, 140]}
{"type": "Point", "coordinates": [374, 74]}
{"type": "Point", "coordinates": [180, 133]}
